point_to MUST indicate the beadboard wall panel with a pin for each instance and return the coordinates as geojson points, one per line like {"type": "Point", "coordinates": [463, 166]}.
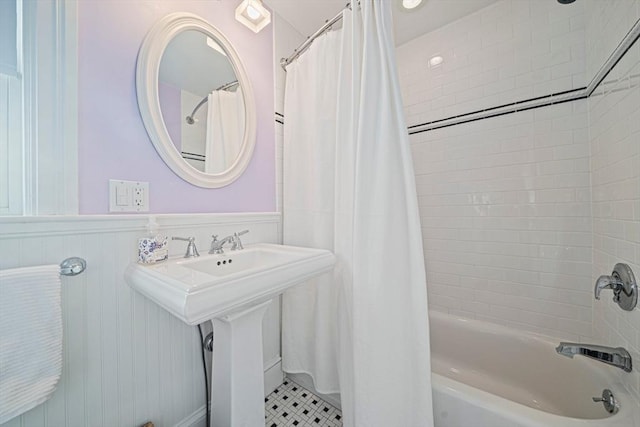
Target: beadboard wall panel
{"type": "Point", "coordinates": [126, 360]}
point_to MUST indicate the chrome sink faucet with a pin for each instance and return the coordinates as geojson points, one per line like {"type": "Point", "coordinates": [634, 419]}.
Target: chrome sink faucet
{"type": "Point", "coordinates": [217, 246]}
{"type": "Point", "coordinates": [618, 357]}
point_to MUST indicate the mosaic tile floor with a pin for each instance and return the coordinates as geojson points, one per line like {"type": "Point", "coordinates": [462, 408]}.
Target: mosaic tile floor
{"type": "Point", "coordinates": [292, 405]}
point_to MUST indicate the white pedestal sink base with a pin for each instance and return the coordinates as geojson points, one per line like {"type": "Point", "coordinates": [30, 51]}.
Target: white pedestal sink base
{"type": "Point", "coordinates": [237, 386]}
{"type": "Point", "coordinates": [229, 289]}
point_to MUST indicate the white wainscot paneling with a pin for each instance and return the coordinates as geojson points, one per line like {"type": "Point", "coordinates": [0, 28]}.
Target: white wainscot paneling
{"type": "Point", "coordinates": [126, 361]}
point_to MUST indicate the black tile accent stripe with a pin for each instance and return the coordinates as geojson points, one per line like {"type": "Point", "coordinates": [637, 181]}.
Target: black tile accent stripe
{"type": "Point", "coordinates": [193, 156]}
{"type": "Point", "coordinates": [486, 110]}
{"type": "Point", "coordinates": [532, 103]}
{"type": "Point", "coordinates": [618, 53]}
{"type": "Point", "coordinates": [492, 115]}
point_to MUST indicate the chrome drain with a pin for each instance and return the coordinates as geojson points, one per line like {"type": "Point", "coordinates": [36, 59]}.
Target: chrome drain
{"type": "Point", "coordinates": [608, 400]}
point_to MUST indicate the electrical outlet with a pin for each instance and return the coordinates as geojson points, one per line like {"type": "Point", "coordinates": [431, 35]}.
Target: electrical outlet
{"type": "Point", "coordinates": [141, 197]}
{"type": "Point", "coordinates": [128, 196]}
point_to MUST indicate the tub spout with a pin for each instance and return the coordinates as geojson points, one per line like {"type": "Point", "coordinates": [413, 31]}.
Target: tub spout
{"type": "Point", "coordinates": [618, 357]}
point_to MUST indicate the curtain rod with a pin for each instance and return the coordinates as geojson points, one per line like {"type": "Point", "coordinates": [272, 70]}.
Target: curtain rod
{"type": "Point", "coordinates": [189, 119]}
{"type": "Point", "coordinates": [304, 46]}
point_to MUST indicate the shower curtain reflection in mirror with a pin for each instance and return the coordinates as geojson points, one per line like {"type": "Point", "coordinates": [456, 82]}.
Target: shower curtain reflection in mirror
{"type": "Point", "coordinates": [225, 129]}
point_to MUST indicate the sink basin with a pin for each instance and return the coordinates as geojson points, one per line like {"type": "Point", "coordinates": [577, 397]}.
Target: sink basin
{"type": "Point", "coordinates": [210, 286]}
{"type": "Point", "coordinates": [239, 261]}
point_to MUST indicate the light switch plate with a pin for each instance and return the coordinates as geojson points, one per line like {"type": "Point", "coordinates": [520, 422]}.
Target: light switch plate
{"type": "Point", "coordinates": [128, 196]}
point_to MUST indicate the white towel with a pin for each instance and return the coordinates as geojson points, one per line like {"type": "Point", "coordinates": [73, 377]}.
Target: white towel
{"type": "Point", "coordinates": [30, 338]}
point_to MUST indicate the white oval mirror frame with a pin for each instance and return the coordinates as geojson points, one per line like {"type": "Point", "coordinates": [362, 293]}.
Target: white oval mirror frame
{"type": "Point", "coordinates": [147, 73]}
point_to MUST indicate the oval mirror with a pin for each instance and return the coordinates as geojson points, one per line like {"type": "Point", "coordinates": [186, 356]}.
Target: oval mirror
{"type": "Point", "coordinates": [196, 100]}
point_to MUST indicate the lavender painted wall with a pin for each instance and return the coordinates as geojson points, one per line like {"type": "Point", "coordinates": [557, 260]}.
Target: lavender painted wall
{"type": "Point", "coordinates": [113, 143]}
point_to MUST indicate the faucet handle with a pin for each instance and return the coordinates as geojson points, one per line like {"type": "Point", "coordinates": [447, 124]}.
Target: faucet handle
{"type": "Point", "coordinates": [623, 284]}
{"type": "Point", "coordinates": [237, 243]}
{"type": "Point", "coordinates": [216, 245]}
{"type": "Point", "coordinates": [192, 251]}
{"type": "Point", "coordinates": [606, 282]}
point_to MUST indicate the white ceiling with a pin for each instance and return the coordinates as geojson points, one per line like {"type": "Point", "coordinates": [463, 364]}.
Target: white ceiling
{"type": "Point", "coordinates": [308, 15]}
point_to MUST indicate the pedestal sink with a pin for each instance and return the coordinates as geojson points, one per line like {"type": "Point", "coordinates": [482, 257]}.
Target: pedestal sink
{"type": "Point", "coordinates": [233, 290]}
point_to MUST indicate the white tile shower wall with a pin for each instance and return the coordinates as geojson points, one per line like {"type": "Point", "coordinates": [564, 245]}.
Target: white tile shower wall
{"type": "Point", "coordinates": [505, 202]}
{"type": "Point", "coordinates": [126, 360]}
{"type": "Point", "coordinates": [607, 22]}
{"type": "Point", "coordinates": [506, 217]}
{"type": "Point", "coordinates": [286, 39]}
{"type": "Point", "coordinates": [507, 52]}
{"type": "Point", "coordinates": [614, 130]}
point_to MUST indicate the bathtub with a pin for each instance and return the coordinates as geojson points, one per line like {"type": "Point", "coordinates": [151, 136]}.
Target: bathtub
{"type": "Point", "coordinates": [487, 375]}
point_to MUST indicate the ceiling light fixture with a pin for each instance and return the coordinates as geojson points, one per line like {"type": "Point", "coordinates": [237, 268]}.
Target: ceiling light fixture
{"type": "Point", "coordinates": [435, 61]}
{"type": "Point", "coordinates": [253, 15]}
{"type": "Point", "coordinates": [411, 4]}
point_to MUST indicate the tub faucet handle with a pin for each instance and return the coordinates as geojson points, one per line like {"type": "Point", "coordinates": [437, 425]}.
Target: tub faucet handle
{"type": "Point", "coordinates": [623, 284]}
{"type": "Point", "coordinates": [607, 282]}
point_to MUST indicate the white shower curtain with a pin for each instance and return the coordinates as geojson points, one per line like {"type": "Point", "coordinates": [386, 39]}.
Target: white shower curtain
{"type": "Point", "coordinates": [225, 129]}
{"type": "Point", "coordinates": [349, 187]}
